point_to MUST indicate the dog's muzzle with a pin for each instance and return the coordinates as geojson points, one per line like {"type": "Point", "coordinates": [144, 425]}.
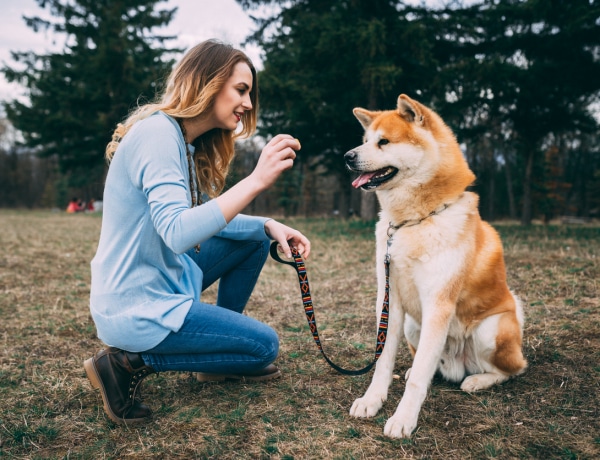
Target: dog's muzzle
{"type": "Point", "coordinates": [367, 180]}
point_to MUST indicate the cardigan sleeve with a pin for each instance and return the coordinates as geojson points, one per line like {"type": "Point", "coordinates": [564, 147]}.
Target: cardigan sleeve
{"type": "Point", "coordinates": [243, 227]}
{"type": "Point", "coordinates": [158, 166]}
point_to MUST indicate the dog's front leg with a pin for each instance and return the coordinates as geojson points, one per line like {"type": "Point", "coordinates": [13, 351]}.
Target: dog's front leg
{"type": "Point", "coordinates": [434, 331]}
{"type": "Point", "coordinates": [376, 394]}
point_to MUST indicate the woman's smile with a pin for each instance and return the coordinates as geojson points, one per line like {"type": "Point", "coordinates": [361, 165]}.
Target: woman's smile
{"type": "Point", "coordinates": [234, 98]}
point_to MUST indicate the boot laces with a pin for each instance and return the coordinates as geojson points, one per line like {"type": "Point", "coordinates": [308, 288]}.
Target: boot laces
{"type": "Point", "coordinates": [134, 391]}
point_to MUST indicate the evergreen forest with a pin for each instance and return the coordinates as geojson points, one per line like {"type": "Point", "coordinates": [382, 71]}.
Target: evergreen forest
{"type": "Point", "coordinates": [517, 80]}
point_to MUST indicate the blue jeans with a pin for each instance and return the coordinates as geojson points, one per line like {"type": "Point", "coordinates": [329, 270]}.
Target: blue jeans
{"type": "Point", "coordinates": [220, 338]}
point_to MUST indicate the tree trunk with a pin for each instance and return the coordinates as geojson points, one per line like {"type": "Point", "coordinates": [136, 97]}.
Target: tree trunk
{"type": "Point", "coordinates": [512, 207]}
{"type": "Point", "coordinates": [368, 206]}
{"type": "Point", "coordinates": [526, 214]}
{"type": "Point", "coordinates": [308, 185]}
{"type": "Point", "coordinates": [491, 195]}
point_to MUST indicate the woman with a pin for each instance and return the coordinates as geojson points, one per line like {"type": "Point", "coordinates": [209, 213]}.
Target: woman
{"type": "Point", "coordinates": [161, 244]}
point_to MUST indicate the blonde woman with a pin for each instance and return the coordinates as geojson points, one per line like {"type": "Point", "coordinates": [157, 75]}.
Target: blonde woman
{"type": "Point", "coordinates": [162, 244]}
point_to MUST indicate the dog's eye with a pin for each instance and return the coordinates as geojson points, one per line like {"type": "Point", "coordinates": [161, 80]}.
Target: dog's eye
{"type": "Point", "coordinates": [382, 142]}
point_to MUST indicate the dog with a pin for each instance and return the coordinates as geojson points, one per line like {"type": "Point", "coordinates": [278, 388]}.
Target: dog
{"type": "Point", "coordinates": [447, 278]}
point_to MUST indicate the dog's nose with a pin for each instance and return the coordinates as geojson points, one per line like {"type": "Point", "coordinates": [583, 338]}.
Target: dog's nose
{"type": "Point", "coordinates": [350, 157]}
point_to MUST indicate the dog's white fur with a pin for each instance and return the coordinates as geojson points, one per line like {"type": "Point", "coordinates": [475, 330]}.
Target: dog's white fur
{"type": "Point", "coordinates": [448, 290]}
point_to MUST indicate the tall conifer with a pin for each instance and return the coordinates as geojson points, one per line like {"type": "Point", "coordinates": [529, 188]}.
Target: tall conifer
{"type": "Point", "coordinates": [111, 59]}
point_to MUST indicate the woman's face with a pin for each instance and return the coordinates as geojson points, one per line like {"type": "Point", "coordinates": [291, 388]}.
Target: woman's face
{"type": "Point", "coordinates": [234, 98]}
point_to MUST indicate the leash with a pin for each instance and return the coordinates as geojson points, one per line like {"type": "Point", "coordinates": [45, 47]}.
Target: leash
{"type": "Point", "coordinates": [300, 268]}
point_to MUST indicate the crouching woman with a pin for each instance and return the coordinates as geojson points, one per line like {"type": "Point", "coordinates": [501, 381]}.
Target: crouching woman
{"type": "Point", "coordinates": [168, 233]}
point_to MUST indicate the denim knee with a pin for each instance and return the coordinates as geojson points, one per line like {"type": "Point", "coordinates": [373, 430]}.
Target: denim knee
{"type": "Point", "coordinates": [271, 346]}
{"type": "Point", "coordinates": [264, 249]}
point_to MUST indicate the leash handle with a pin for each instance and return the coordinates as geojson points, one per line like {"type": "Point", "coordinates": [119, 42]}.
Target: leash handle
{"type": "Point", "coordinates": [300, 268]}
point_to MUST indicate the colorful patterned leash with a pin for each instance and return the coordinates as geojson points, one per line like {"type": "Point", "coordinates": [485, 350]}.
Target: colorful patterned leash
{"type": "Point", "coordinates": [300, 268]}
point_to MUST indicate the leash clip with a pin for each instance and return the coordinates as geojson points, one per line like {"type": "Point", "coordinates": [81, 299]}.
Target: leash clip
{"type": "Point", "coordinates": [387, 251]}
{"type": "Point", "coordinates": [390, 233]}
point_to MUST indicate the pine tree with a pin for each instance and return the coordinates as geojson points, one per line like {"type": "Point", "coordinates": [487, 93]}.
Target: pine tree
{"type": "Point", "coordinates": [111, 59]}
{"type": "Point", "coordinates": [509, 76]}
{"type": "Point", "coordinates": [322, 58]}
{"type": "Point", "coordinates": [523, 73]}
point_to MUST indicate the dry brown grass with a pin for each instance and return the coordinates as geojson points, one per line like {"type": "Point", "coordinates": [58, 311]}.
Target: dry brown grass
{"type": "Point", "coordinates": [48, 409]}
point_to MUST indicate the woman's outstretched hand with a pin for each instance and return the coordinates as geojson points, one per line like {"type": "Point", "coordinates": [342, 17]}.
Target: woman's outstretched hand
{"type": "Point", "coordinates": [286, 237]}
{"type": "Point", "coordinates": [276, 157]}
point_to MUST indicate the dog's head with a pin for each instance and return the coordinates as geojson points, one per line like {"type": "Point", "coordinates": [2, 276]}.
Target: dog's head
{"type": "Point", "coordinates": [408, 145]}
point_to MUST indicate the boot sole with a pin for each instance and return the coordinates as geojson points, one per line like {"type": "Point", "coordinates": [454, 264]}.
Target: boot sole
{"type": "Point", "coordinates": [202, 377]}
{"type": "Point", "coordinates": [96, 382]}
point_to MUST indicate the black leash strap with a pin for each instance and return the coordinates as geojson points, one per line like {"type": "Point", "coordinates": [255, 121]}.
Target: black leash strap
{"type": "Point", "coordinates": [300, 268]}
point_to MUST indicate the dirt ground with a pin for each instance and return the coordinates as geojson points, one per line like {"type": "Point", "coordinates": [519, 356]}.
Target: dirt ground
{"type": "Point", "coordinates": [48, 409]}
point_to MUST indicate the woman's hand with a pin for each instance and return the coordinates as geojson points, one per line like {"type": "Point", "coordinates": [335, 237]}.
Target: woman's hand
{"type": "Point", "coordinates": [277, 156]}
{"type": "Point", "coordinates": [286, 237]}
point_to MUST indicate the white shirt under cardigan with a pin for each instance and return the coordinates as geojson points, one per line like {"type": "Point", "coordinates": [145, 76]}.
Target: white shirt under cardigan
{"type": "Point", "coordinates": [143, 283]}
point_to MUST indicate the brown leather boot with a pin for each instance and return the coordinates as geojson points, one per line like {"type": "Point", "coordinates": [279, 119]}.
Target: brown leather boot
{"type": "Point", "coordinates": [118, 374]}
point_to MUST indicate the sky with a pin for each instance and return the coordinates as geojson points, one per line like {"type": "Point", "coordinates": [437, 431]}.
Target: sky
{"type": "Point", "coordinates": [195, 20]}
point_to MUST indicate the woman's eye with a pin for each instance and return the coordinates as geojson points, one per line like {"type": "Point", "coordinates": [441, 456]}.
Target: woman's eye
{"type": "Point", "coordinates": [382, 142]}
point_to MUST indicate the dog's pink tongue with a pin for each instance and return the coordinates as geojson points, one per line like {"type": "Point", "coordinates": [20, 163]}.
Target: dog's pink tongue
{"type": "Point", "coordinates": [362, 179]}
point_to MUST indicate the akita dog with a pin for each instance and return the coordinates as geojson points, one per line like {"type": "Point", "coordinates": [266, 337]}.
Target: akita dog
{"type": "Point", "coordinates": [447, 279]}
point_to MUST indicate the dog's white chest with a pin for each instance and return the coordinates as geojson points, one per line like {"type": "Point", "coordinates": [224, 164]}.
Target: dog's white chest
{"type": "Point", "coordinates": [423, 260]}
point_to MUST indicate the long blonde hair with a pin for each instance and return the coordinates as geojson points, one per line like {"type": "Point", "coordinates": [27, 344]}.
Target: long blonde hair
{"type": "Point", "coordinates": [191, 90]}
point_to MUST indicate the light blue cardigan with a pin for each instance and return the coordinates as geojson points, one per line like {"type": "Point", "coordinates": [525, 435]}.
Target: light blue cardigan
{"type": "Point", "coordinates": [143, 283]}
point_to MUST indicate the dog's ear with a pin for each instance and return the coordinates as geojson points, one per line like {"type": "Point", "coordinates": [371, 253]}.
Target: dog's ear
{"type": "Point", "coordinates": [364, 116]}
{"type": "Point", "coordinates": [410, 110]}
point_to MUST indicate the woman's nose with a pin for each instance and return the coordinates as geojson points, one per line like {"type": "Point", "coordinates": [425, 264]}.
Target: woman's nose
{"type": "Point", "coordinates": [247, 103]}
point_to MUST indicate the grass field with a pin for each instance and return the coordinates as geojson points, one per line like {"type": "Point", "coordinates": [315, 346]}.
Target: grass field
{"type": "Point", "coordinates": [48, 409]}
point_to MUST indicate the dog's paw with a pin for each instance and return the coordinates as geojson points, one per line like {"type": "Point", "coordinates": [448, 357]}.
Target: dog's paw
{"type": "Point", "coordinates": [366, 407]}
{"type": "Point", "coordinates": [478, 382]}
{"type": "Point", "coordinates": [400, 426]}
